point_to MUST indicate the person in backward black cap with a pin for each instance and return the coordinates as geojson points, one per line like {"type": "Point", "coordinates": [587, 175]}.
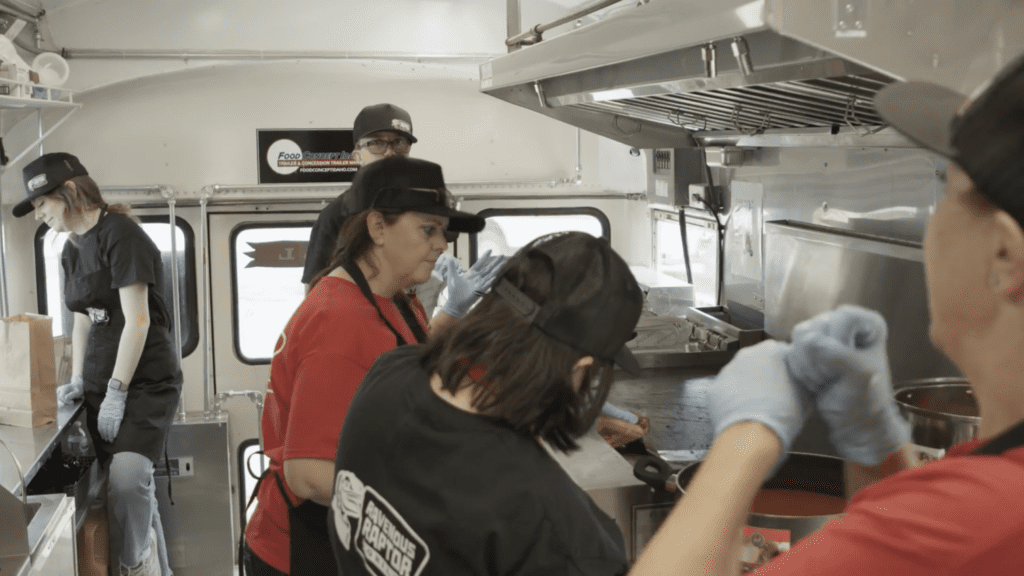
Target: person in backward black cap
{"type": "Point", "coordinates": [357, 310]}
{"type": "Point", "coordinates": [441, 448]}
{"type": "Point", "coordinates": [380, 131]}
{"type": "Point", "coordinates": [956, 515]}
{"type": "Point", "coordinates": [124, 363]}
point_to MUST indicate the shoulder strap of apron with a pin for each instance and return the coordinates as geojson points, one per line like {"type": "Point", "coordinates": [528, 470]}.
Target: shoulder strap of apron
{"type": "Point", "coordinates": [357, 275]}
{"type": "Point", "coordinates": [402, 303]}
{"type": "Point", "coordinates": [1012, 438]}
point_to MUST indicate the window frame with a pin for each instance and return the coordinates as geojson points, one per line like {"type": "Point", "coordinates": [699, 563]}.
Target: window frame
{"type": "Point", "coordinates": [599, 215]}
{"type": "Point", "coordinates": [232, 239]}
{"type": "Point", "coordinates": [191, 297]}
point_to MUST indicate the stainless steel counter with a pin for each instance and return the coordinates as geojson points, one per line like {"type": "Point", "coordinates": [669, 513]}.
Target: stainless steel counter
{"type": "Point", "coordinates": [31, 447]}
{"type": "Point", "coordinates": [675, 400]}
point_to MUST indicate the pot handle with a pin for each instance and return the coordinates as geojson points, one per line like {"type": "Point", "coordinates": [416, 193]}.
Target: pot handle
{"type": "Point", "coordinates": [655, 472]}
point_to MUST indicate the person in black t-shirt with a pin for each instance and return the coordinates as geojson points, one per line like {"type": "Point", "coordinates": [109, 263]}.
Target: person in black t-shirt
{"type": "Point", "coordinates": [440, 468]}
{"type": "Point", "coordinates": [124, 363]}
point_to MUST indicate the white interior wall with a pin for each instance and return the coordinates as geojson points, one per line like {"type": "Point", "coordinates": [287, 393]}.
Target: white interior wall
{"type": "Point", "coordinates": [197, 127]}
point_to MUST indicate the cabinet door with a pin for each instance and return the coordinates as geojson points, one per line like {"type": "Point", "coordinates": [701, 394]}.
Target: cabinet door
{"type": "Point", "coordinates": [57, 553]}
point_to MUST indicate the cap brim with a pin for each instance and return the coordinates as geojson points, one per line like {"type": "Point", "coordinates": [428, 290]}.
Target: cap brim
{"type": "Point", "coordinates": [625, 360]}
{"type": "Point", "coordinates": [23, 207]}
{"type": "Point", "coordinates": [923, 112]}
{"type": "Point", "coordinates": [457, 221]}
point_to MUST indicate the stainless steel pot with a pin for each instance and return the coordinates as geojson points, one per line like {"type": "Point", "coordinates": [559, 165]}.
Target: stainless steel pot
{"type": "Point", "coordinates": [942, 412]}
{"type": "Point", "coordinates": [765, 534]}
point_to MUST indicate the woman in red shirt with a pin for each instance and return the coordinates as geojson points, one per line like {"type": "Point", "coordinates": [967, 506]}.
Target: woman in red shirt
{"type": "Point", "coordinates": [356, 311]}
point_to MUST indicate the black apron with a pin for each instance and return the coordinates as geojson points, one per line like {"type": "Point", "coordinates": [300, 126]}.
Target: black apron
{"type": "Point", "coordinates": [309, 545]}
{"type": "Point", "coordinates": [155, 386]}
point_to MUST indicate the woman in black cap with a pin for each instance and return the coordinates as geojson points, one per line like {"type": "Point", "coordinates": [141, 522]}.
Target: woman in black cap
{"type": "Point", "coordinates": [960, 515]}
{"type": "Point", "coordinates": [123, 360]}
{"type": "Point", "coordinates": [440, 468]}
{"type": "Point", "coordinates": [357, 310]}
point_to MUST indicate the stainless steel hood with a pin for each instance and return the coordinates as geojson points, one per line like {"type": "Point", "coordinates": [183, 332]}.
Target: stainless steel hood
{"type": "Point", "coordinates": [677, 73]}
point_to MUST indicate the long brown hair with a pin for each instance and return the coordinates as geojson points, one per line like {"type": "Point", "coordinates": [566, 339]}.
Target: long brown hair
{"type": "Point", "coordinates": [527, 381]}
{"type": "Point", "coordinates": [355, 241]}
{"type": "Point", "coordinates": [80, 194]}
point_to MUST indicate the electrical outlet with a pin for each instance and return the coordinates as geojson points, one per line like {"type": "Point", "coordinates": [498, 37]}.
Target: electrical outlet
{"type": "Point", "coordinates": [696, 192]}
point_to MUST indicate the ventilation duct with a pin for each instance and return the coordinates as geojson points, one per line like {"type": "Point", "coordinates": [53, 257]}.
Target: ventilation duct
{"type": "Point", "coordinates": [677, 73]}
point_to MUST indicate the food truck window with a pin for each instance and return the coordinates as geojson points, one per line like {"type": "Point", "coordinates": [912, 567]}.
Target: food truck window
{"type": "Point", "coordinates": [266, 276]}
{"type": "Point", "coordinates": [50, 275]}
{"type": "Point", "coordinates": [702, 242]}
{"type": "Point", "coordinates": [509, 229]}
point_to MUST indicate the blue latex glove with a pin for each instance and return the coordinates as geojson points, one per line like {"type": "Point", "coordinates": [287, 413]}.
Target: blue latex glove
{"type": "Point", "coordinates": [68, 393]}
{"type": "Point", "coordinates": [465, 288]}
{"type": "Point", "coordinates": [615, 412]}
{"type": "Point", "coordinates": [840, 358]}
{"type": "Point", "coordinates": [111, 411]}
{"type": "Point", "coordinates": [755, 386]}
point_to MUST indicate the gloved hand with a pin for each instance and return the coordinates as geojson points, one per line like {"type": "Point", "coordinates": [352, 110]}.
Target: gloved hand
{"type": "Point", "coordinates": [68, 393]}
{"type": "Point", "coordinates": [111, 411]}
{"type": "Point", "coordinates": [840, 358]}
{"type": "Point", "coordinates": [755, 386]}
{"type": "Point", "coordinates": [465, 288]}
{"type": "Point", "coordinates": [614, 411]}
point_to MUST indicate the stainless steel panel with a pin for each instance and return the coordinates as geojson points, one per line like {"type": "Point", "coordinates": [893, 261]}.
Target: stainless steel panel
{"type": "Point", "coordinates": [954, 43]}
{"type": "Point", "coordinates": [31, 447]}
{"type": "Point", "coordinates": [608, 478]}
{"type": "Point", "coordinates": [649, 28]}
{"type": "Point", "coordinates": [812, 271]}
{"type": "Point", "coordinates": [675, 401]}
{"type": "Point", "coordinates": [882, 192]}
{"type": "Point", "coordinates": [812, 64]}
{"type": "Point", "coordinates": [54, 552]}
{"type": "Point", "coordinates": [200, 527]}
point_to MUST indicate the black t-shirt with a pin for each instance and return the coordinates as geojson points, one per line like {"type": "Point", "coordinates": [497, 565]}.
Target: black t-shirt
{"type": "Point", "coordinates": [114, 253]}
{"type": "Point", "coordinates": [424, 488]}
{"type": "Point", "coordinates": [323, 238]}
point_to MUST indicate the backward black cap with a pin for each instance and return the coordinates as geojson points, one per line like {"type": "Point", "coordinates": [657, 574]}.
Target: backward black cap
{"type": "Point", "coordinates": [594, 302]}
{"type": "Point", "coordinates": [46, 173]}
{"type": "Point", "coordinates": [987, 140]}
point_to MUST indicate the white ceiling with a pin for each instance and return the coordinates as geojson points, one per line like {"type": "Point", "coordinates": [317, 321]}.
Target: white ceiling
{"type": "Point", "coordinates": [396, 26]}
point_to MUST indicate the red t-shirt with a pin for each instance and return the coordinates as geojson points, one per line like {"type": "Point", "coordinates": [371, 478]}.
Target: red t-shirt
{"type": "Point", "coordinates": [330, 342]}
{"type": "Point", "coordinates": [961, 515]}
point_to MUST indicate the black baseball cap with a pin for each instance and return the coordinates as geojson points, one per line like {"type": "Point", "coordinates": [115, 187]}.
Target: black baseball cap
{"type": "Point", "coordinates": [382, 117]}
{"type": "Point", "coordinates": [984, 137]}
{"type": "Point", "coordinates": [46, 173]}
{"type": "Point", "coordinates": [594, 302]}
{"type": "Point", "coordinates": [408, 184]}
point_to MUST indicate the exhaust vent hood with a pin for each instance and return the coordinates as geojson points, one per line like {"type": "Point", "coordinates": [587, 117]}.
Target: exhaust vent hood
{"type": "Point", "coordinates": [678, 73]}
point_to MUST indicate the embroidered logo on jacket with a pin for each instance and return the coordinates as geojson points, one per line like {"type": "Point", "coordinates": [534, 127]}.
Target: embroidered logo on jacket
{"type": "Point", "coordinates": [387, 545]}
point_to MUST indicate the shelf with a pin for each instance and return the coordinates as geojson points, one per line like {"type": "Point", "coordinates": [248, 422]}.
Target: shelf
{"type": "Point", "coordinates": [12, 102]}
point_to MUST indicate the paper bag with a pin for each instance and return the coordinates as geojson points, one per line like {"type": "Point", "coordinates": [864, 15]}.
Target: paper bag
{"type": "Point", "coordinates": [28, 380]}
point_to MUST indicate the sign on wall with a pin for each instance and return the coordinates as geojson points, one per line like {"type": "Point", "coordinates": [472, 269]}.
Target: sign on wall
{"type": "Point", "coordinates": [303, 156]}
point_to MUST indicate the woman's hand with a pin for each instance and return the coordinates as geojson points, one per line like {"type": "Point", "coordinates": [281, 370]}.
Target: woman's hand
{"type": "Point", "coordinates": [465, 288]}
{"type": "Point", "coordinates": [840, 358]}
{"type": "Point", "coordinates": [112, 410]}
{"type": "Point", "coordinates": [756, 387]}
{"type": "Point", "coordinates": [68, 393]}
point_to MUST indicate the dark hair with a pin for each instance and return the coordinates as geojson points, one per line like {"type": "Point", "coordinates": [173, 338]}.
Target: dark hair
{"type": "Point", "coordinates": [528, 376]}
{"type": "Point", "coordinates": [84, 194]}
{"type": "Point", "coordinates": [355, 241]}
